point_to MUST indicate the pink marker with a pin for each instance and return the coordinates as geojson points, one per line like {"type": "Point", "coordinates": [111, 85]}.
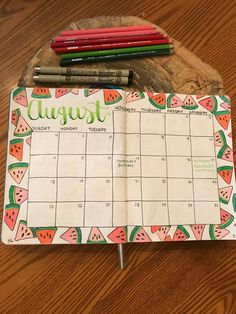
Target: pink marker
{"type": "Point", "coordinates": [107, 35]}
{"type": "Point", "coordinates": [107, 30]}
{"type": "Point", "coordinates": [98, 41]}
{"type": "Point", "coordinates": [112, 46]}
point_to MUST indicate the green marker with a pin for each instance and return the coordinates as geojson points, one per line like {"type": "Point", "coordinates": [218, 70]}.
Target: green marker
{"type": "Point", "coordinates": [115, 51]}
{"type": "Point", "coordinates": [120, 56]}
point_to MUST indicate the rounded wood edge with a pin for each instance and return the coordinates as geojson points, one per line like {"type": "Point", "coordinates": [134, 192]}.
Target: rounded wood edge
{"type": "Point", "coordinates": [182, 72]}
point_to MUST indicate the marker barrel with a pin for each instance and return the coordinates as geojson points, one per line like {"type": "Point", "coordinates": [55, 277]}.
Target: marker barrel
{"type": "Point", "coordinates": [62, 79]}
{"type": "Point", "coordinates": [71, 49]}
{"type": "Point", "coordinates": [83, 71]}
{"type": "Point", "coordinates": [98, 41]}
{"type": "Point", "coordinates": [106, 30]}
{"type": "Point", "coordinates": [114, 51]}
{"type": "Point", "coordinates": [107, 35]}
{"type": "Point", "coordinates": [122, 56]}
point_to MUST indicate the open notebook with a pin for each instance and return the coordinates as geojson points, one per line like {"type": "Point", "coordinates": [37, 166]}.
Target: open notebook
{"type": "Point", "coordinates": [108, 166]}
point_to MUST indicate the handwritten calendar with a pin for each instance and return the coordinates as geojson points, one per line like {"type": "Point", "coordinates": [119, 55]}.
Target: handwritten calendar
{"type": "Point", "coordinates": [108, 166]}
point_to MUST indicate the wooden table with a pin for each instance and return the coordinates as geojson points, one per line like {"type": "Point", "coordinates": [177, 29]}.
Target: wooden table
{"type": "Point", "coordinates": [159, 277]}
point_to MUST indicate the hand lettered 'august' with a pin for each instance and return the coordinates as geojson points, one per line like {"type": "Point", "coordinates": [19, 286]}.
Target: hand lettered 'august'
{"type": "Point", "coordinates": [89, 113]}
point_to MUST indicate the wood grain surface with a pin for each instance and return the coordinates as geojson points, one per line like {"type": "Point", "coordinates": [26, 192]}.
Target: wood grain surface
{"type": "Point", "coordinates": [183, 72]}
{"type": "Point", "coordinates": [197, 277]}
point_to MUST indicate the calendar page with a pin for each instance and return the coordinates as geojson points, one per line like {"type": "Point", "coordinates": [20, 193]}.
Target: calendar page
{"type": "Point", "coordinates": [109, 166]}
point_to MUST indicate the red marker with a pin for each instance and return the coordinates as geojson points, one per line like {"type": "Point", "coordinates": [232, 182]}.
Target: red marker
{"type": "Point", "coordinates": [112, 45]}
{"type": "Point", "coordinates": [106, 35]}
{"type": "Point", "coordinates": [106, 30]}
{"type": "Point", "coordinates": [94, 41]}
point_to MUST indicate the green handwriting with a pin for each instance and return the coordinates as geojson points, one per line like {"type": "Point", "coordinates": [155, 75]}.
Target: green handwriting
{"type": "Point", "coordinates": [89, 113]}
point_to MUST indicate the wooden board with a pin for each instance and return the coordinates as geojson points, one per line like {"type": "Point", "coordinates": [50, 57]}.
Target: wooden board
{"type": "Point", "coordinates": [182, 72]}
{"type": "Point", "coordinates": [165, 277]}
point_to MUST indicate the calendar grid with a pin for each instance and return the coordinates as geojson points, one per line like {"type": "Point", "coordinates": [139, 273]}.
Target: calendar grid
{"type": "Point", "coordinates": [141, 201]}
{"type": "Point", "coordinates": [192, 167]}
{"type": "Point", "coordinates": [207, 178]}
{"type": "Point", "coordinates": [58, 147]}
{"type": "Point", "coordinates": [213, 129]}
{"type": "Point", "coordinates": [112, 161]}
{"type": "Point", "coordinates": [144, 155]}
{"type": "Point", "coordinates": [85, 172]}
{"type": "Point", "coordinates": [167, 203]}
{"type": "Point", "coordinates": [140, 163]}
{"type": "Point", "coordinates": [132, 200]}
{"type": "Point", "coordinates": [27, 213]}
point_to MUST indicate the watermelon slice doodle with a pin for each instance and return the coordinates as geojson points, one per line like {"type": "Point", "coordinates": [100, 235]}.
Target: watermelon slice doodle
{"type": "Point", "coordinates": [90, 91]}
{"type": "Point", "coordinates": [226, 106]}
{"type": "Point", "coordinates": [226, 173]}
{"type": "Point", "coordinates": [22, 128]}
{"type": "Point", "coordinates": [209, 103]}
{"type": "Point", "coordinates": [20, 96]}
{"type": "Point", "coordinates": [45, 234]}
{"type": "Point", "coordinates": [96, 237]}
{"type": "Point", "coordinates": [161, 231]}
{"type": "Point", "coordinates": [181, 234]}
{"type": "Point", "coordinates": [158, 100]}
{"type": "Point", "coordinates": [138, 234]}
{"type": "Point", "coordinates": [24, 232]}
{"type": "Point", "coordinates": [74, 91]}
{"type": "Point", "coordinates": [15, 114]}
{"type": "Point", "coordinates": [119, 235]}
{"type": "Point", "coordinates": [189, 103]}
{"type": "Point", "coordinates": [223, 118]}
{"type": "Point", "coordinates": [226, 153]}
{"type": "Point", "coordinates": [132, 96]}
{"type": "Point", "coordinates": [59, 92]}
{"type": "Point", "coordinates": [225, 98]}
{"type": "Point", "coordinates": [11, 214]}
{"type": "Point", "coordinates": [16, 148]}
{"type": "Point", "coordinates": [18, 170]}
{"type": "Point", "coordinates": [225, 194]}
{"type": "Point", "coordinates": [72, 235]}
{"type": "Point", "coordinates": [173, 101]}
{"type": "Point", "coordinates": [198, 231]}
{"type": "Point", "coordinates": [17, 194]}
{"type": "Point", "coordinates": [216, 233]}
{"type": "Point", "coordinates": [28, 141]}
{"type": "Point", "coordinates": [226, 219]}
{"type": "Point", "coordinates": [150, 94]}
{"type": "Point", "coordinates": [41, 92]}
{"type": "Point", "coordinates": [168, 238]}
{"type": "Point", "coordinates": [111, 96]}
{"type": "Point", "coordinates": [234, 201]}
{"type": "Point", "coordinates": [219, 139]}
{"type": "Point", "coordinates": [199, 96]}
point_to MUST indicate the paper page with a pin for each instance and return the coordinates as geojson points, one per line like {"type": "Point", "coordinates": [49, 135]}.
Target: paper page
{"type": "Point", "coordinates": [184, 188]}
{"type": "Point", "coordinates": [85, 166]}
{"type": "Point", "coordinates": [64, 183]}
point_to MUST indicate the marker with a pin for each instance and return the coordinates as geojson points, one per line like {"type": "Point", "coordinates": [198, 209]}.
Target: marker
{"type": "Point", "coordinates": [67, 79]}
{"type": "Point", "coordinates": [112, 45]}
{"type": "Point", "coordinates": [106, 30]}
{"type": "Point", "coordinates": [115, 51]}
{"type": "Point", "coordinates": [83, 71]}
{"type": "Point", "coordinates": [106, 35]}
{"type": "Point", "coordinates": [97, 41]}
{"type": "Point", "coordinates": [116, 57]}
